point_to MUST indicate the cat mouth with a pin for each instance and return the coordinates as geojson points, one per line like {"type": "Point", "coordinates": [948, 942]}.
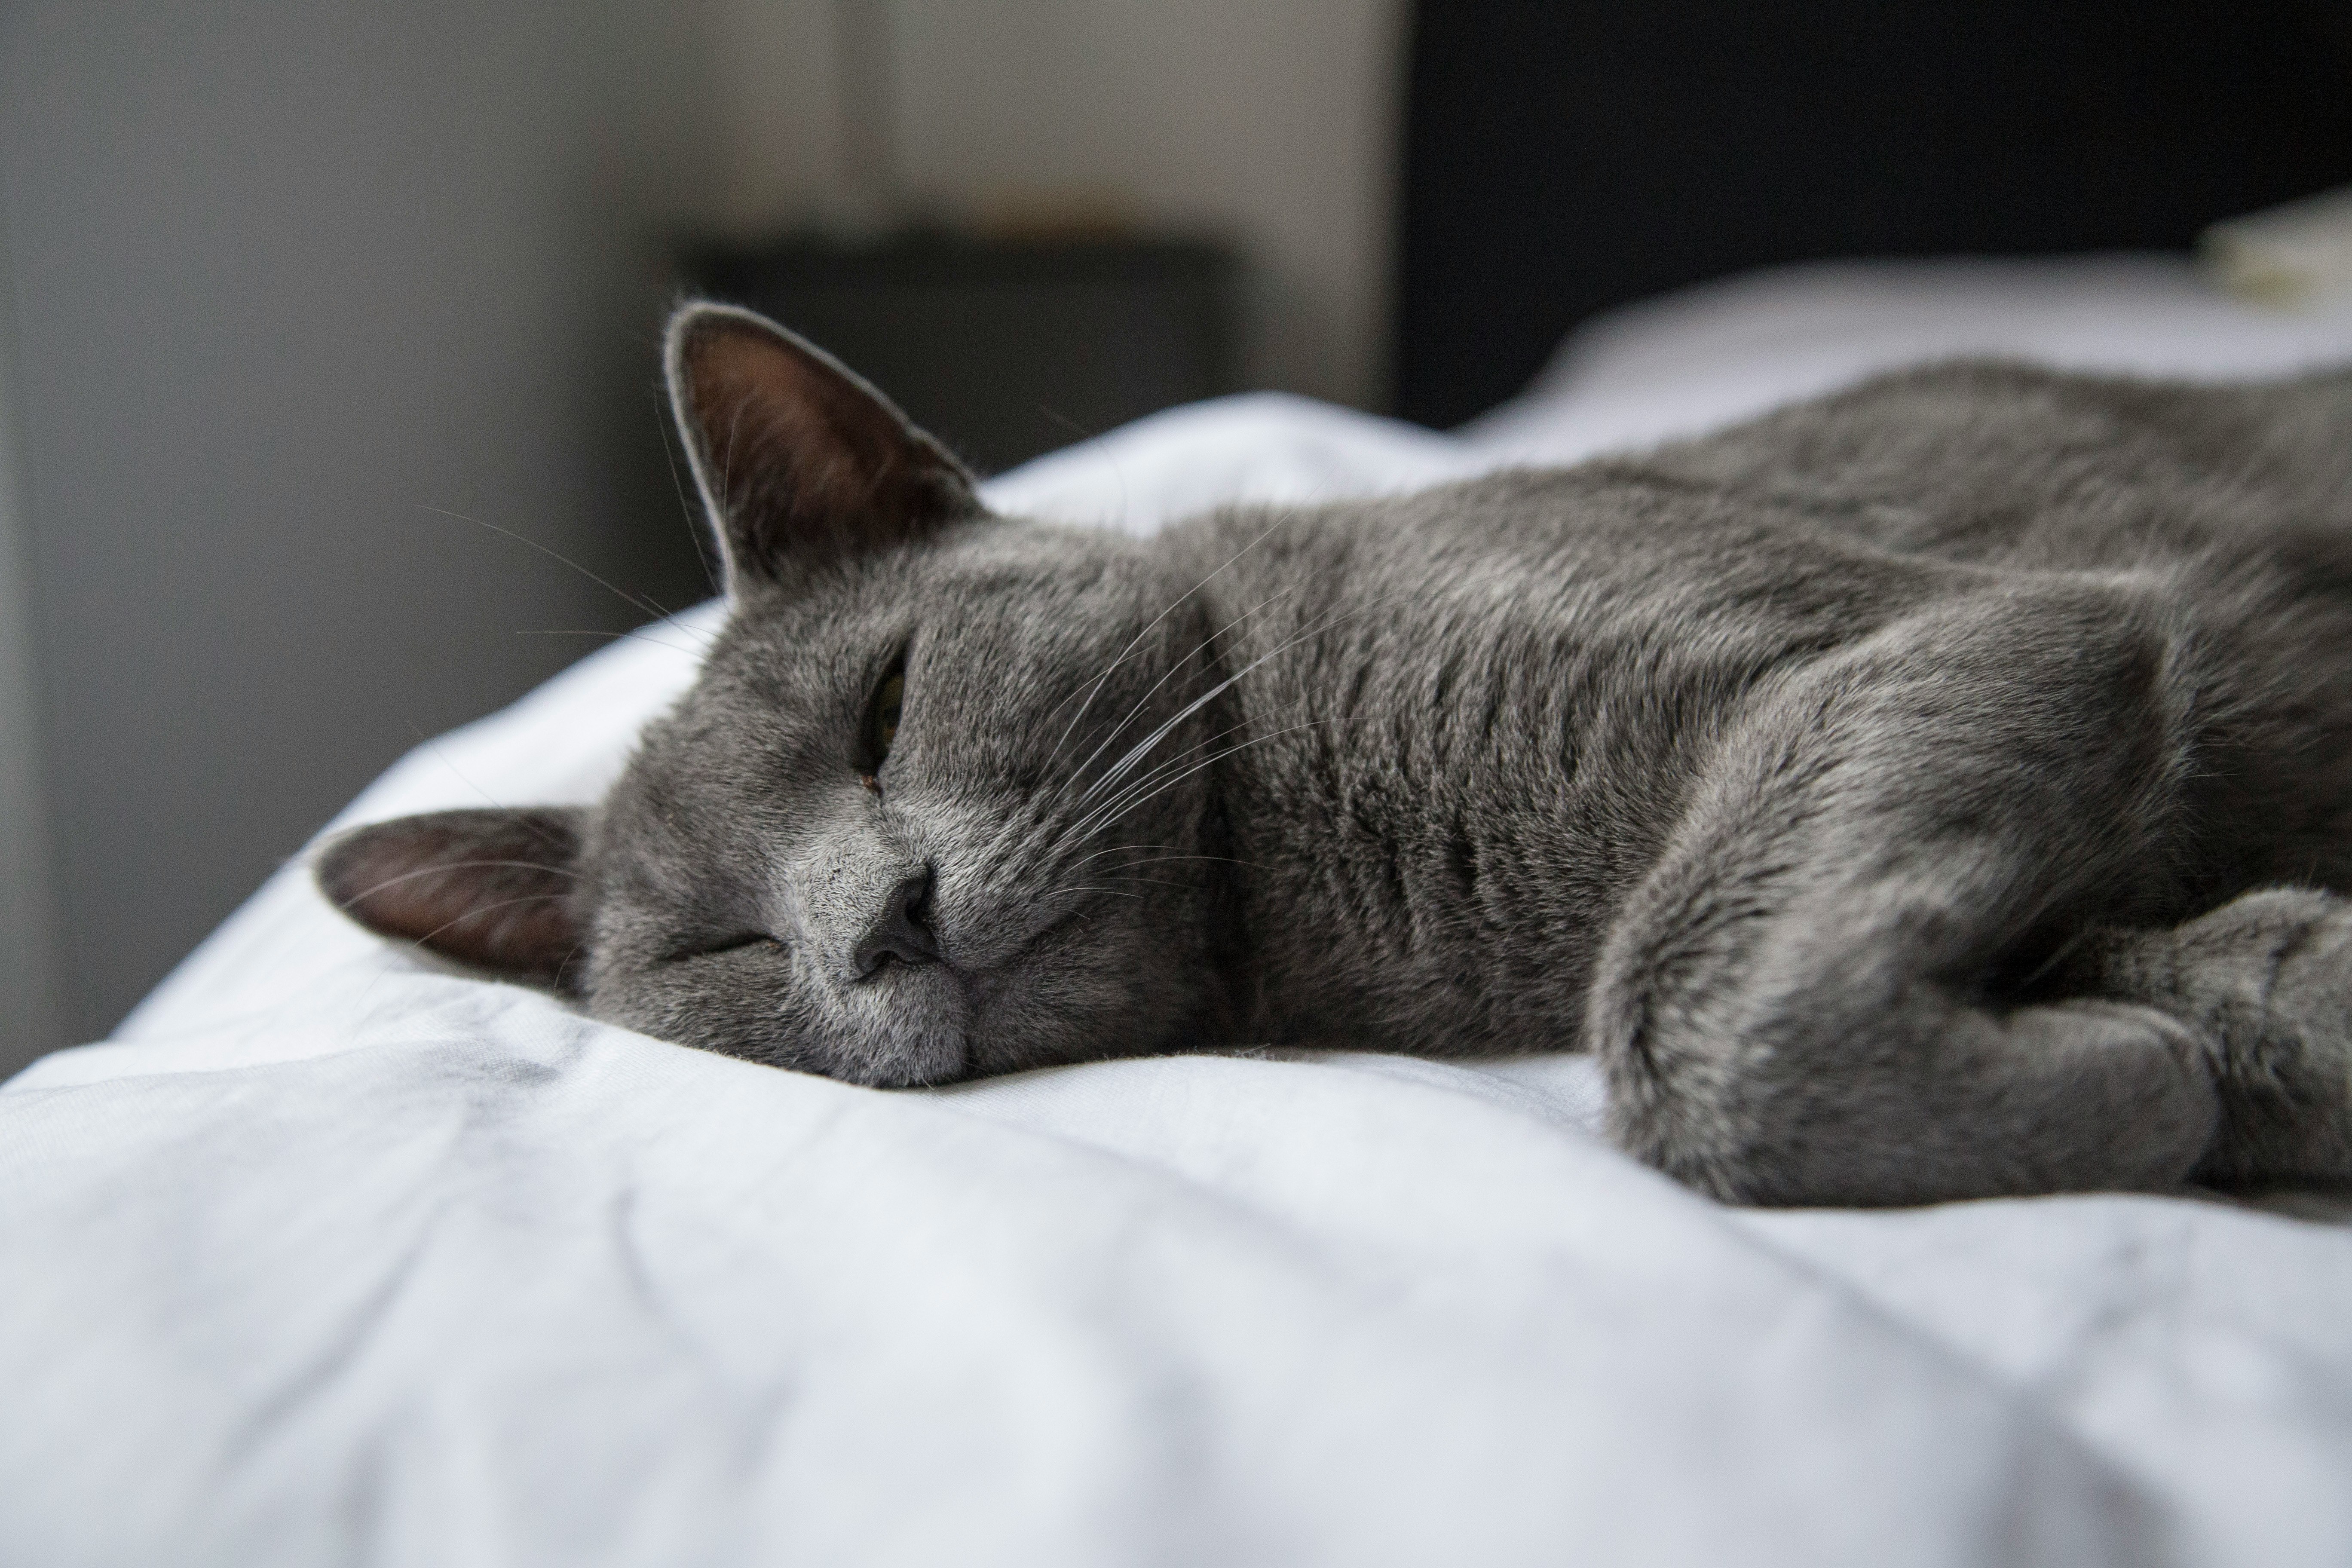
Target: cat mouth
{"type": "Point", "coordinates": [980, 994]}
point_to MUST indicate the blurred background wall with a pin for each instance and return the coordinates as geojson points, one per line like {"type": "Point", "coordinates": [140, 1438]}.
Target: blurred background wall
{"type": "Point", "coordinates": [32, 997]}
{"type": "Point", "coordinates": [288, 283]}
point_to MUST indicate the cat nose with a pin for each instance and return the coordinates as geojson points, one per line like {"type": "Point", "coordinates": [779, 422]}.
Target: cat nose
{"type": "Point", "coordinates": [903, 932]}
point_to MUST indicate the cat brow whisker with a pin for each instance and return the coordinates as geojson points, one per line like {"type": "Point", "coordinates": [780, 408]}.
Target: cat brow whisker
{"type": "Point", "coordinates": [1112, 774]}
{"type": "Point", "coordinates": [1177, 852]}
{"type": "Point", "coordinates": [1233, 728]}
{"type": "Point", "coordinates": [1160, 769]}
{"type": "Point", "coordinates": [521, 817]}
{"type": "Point", "coordinates": [727, 458]}
{"type": "Point", "coordinates": [686, 509]}
{"type": "Point", "coordinates": [1288, 513]}
{"type": "Point", "coordinates": [1157, 859]}
{"type": "Point", "coordinates": [1206, 697]}
{"type": "Point", "coordinates": [1122, 809]}
{"type": "Point", "coordinates": [1112, 667]}
{"type": "Point", "coordinates": [483, 910]}
{"type": "Point", "coordinates": [640, 635]}
{"type": "Point", "coordinates": [1174, 668]}
{"type": "Point", "coordinates": [637, 601]}
{"type": "Point", "coordinates": [366, 893]}
{"type": "Point", "coordinates": [1117, 474]}
{"type": "Point", "coordinates": [882, 471]}
{"type": "Point", "coordinates": [1118, 849]}
{"type": "Point", "coordinates": [1082, 832]}
{"type": "Point", "coordinates": [1128, 760]}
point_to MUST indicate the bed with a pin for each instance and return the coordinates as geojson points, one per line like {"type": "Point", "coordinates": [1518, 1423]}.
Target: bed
{"type": "Point", "coordinates": [334, 1254]}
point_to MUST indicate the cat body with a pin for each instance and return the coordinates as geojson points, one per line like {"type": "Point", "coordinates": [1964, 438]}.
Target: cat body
{"type": "Point", "coordinates": [1457, 789]}
{"type": "Point", "coordinates": [1930, 791]}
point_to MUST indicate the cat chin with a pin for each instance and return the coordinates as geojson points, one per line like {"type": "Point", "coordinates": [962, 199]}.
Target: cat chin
{"type": "Point", "coordinates": [935, 1060]}
{"type": "Point", "coordinates": [914, 1028]}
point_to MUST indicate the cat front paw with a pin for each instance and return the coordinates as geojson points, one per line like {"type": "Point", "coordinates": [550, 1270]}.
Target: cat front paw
{"type": "Point", "coordinates": [2267, 980]}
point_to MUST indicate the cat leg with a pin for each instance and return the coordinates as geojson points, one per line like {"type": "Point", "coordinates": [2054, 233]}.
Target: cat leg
{"type": "Point", "coordinates": [1804, 1002]}
{"type": "Point", "coordinates": [2266, 980]}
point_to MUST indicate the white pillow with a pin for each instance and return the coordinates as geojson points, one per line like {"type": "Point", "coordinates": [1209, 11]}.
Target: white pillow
{"type": "Point", "coordinates": [1706, 356]}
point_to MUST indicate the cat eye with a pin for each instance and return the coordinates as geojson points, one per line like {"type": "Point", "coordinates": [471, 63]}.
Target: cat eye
{"type": "Point", "coordinates": [730, 944]}
{"type": "Point", "coordinates": [882, 725]}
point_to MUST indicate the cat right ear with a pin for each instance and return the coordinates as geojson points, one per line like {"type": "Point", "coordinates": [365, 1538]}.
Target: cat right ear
{"type": "Point", "coordinates": [489, 889]}
{"type": "Point", "coordinates": [800, 462]}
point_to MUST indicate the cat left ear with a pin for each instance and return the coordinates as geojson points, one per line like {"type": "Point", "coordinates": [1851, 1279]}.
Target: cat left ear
{"type": "Point", "coordinates": [800, 462]}
{"type": "Point", "coordinates": [496, 890]}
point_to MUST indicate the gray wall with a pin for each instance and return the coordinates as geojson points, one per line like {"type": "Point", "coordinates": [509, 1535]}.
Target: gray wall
{"type": "Point", "coordinates": [287, 273]}
{"type": "Point", "coordinates": [32, 994]}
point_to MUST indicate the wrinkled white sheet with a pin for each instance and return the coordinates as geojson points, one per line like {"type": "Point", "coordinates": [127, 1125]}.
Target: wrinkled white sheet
{"type": "Point", "coordinates": [331, 1255]}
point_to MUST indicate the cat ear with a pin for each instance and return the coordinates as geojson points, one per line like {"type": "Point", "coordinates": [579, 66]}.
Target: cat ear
{"type": "Point", "coordinates": [489, 889]}
{"type": "Point", "coordinates": [800, 462]}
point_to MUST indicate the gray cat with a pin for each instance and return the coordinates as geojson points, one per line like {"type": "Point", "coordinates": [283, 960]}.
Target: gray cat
{"type": "Point", "coordinates": [1931, 791]}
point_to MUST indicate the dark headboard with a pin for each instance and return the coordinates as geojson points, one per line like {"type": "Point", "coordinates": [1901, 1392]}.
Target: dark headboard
{"type": "Point", "coordinates": [1563, 158]}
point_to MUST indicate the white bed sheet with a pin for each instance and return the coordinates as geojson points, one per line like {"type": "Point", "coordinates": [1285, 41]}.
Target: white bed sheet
{"type": "Point", "coordinates": [331, 1255]}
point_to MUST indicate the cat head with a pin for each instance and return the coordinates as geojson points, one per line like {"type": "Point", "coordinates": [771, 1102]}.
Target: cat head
{"type": "Point", "coordinates": [900, 831]}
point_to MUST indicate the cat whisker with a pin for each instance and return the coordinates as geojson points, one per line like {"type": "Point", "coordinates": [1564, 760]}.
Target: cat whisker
{"type": "Point", "coordinates": [1112, 667]}
{"type": "Point", "coordinates": [368, 892]}
{"type": "Point", "coordinates": [639, 634]}
{"type": "Point", "coordinates": [483, 910]}
{"type": "Point", "coordinates": [521, 816]}
{"type": "Point", "coordinates": [1205, 697]}
{"type": "Point", "coordinates": [1151, 775]}
{"type": "Point", "coordinates": [693, 522]}
{"type": "Point", "coordinates": [1128, 758]}
{"type": "Point", "coordinates": [1076, 838]}
{"type": "Point", "coordinates": [1158, 859]}
{"type": "Point", "coordinates": [1175, 669]}
{"type": "Point", "coordinates": [1118, 849]}
{"type": "Point", "coordinates": [638, 601]}
{"type": "Point", "coordinates": [1288, 513]}
{"type": "Point", "coordinates": [1117, 474]}
{"type": "Point", "coordinates": [1178, 852]}
{"type": "Point", "coordinates": [1123, 808]}
{"type": "Point", "coordinates": [1231, 729]}
{"type": "Point", "coordinates": [1136, 641]}
{"type": "Point", "coordinates": [727, 465]}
